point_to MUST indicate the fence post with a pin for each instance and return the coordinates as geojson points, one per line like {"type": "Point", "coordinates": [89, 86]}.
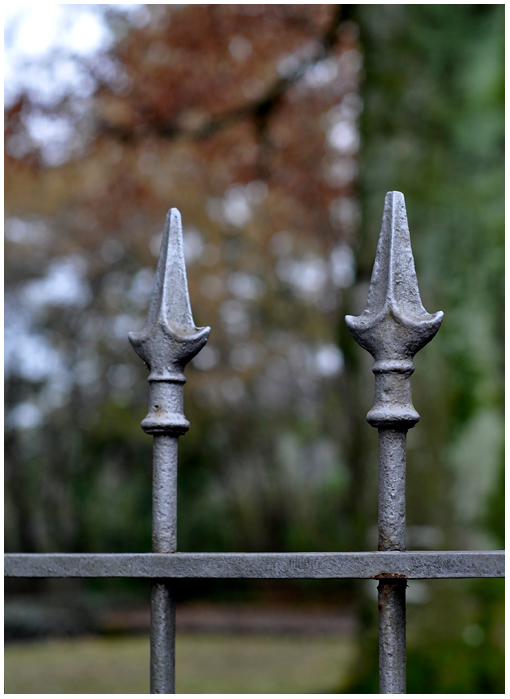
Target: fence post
{"type": "Point", "coordinates": [393, 328]}
{"type": "Point", "coordinates": [167, 342]}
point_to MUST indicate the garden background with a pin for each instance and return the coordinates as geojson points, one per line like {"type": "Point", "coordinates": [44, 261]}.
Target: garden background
{"type": "Point", "coordinates": [276, 130]}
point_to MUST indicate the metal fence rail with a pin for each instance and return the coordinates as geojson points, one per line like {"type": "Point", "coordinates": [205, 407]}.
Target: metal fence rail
{"type": "Point", "coordinates": [393, 328]}
{"type": "Point", "coordinates": [367, 565]}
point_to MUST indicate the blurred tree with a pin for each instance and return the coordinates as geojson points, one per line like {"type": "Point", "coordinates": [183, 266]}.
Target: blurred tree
{"type": "Point", "coordinates": [246, 119]}
{"type": "Point", "coordinates": [249, 119]}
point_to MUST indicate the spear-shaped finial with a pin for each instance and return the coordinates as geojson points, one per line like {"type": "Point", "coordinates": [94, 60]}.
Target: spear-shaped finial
{"type": "Point", "coordinates": [167, 342]}
{"type": "Point", "coordinates": [169, 338]}
{"type": "Point", "coordinates": [394, 324]}
{"type": "Point", "coordinates": [393, 327]}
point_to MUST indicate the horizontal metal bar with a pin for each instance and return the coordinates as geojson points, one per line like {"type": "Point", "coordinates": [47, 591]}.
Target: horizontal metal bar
{"type": "Point", "coordinates": [370, 564]}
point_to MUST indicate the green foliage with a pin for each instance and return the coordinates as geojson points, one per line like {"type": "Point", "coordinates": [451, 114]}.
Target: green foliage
{"type": "Point", "coordinates": [433, 127]}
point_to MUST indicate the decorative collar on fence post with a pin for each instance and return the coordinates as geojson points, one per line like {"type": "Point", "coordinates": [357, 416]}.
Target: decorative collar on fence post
{"type": "Point", "coordinates": [169, 338]}
{"type": "Point", "coordinates": [394, 325]}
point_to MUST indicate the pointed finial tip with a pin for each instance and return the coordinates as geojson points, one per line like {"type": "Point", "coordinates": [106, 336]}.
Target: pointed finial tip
{"type": "Point", "coordinates": [169, 335]}
{"type": "Point", "coordinates": [394, 298]}
{"type": "Point", "coordinates": [173, 220]}
{"type": "Point", "coordinates": [394, 197]}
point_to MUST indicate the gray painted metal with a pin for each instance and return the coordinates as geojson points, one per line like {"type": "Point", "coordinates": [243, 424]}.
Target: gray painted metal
{"type": "Point", "coordinates": [368, 564]}
{"type": "Point", "coordinates": [393, 328]}
{"type": "Point", "coordinates": [162, 639]}
{"type": "Point", "coordinates": [392, 636]}
{"type": "Point", "coordinates": [164, 494]}
{"type": "Point", "coordinates": [169, 338]}
{"type": "Point", "coordinates": [164, 540]}
{"type": "Point", "coordinates": [394, 325]}
{"type": "Point", "coordinates": [392, 490]}
{"type": "Point", "coordinates": [167, 342]}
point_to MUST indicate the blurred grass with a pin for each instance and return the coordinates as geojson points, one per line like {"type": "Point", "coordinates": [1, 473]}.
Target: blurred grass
{"type": "Point", "coordinates": [206, 664]}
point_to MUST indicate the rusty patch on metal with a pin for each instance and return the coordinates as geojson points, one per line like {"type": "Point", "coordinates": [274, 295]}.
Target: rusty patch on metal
{"type": "Point", "coordinates": [389, 576]}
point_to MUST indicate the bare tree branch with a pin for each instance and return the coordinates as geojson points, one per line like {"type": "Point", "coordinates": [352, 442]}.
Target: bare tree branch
{"type": "Point", "coordinates": [259, 110]}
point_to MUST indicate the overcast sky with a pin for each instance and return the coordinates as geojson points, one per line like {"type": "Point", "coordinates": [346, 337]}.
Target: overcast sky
{"type": "Point", "coordinates": [35, 32]}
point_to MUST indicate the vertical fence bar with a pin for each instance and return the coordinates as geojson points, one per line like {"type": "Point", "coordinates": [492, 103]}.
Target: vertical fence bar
{"type": "Point", "coordinates": [392, 636]}
{"type": "Point", "coordinates": [167, 342]}
{"type": "Point", "coordinates": [393, 328]}
{"type": "Point", "coordinates": [164, 540]}
{"type": "Point", "coordinates": [162, 670]}
{"type": "Point", "coordinates": [392, 490]}
{"type": "Point", "coordinates": [391, 592]}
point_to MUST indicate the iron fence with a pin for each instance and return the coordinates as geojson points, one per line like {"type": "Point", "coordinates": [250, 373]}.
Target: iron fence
{"type": "Point", "coordinates": [393, 328]}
